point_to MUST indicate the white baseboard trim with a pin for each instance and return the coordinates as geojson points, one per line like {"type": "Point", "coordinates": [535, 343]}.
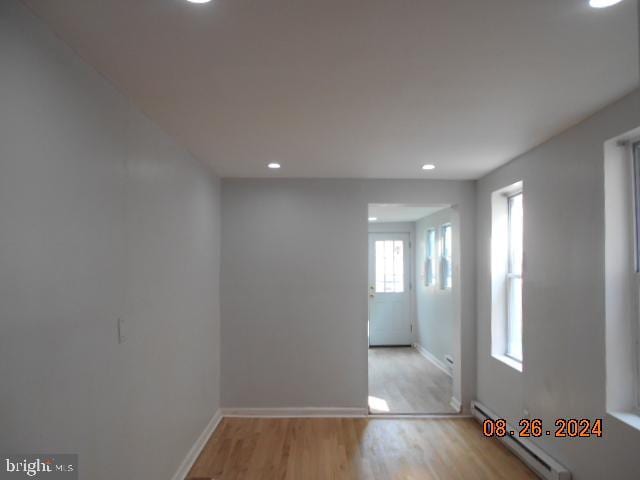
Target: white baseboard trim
{"type": "Point", "coordinates": [429, 356]}
{"type": "Point", "coordinates": [197, 447]}
{"type": "Point", "coordinates": [417, 416]}
{"type": "Point", "coordinates": [295, 412]}
{"type": "Point", "coordinates": [538, 460]}
{"type": "Point", "coordinates": [456, 404]}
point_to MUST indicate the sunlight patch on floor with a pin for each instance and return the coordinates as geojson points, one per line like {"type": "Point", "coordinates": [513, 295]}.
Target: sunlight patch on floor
{"type": "Point", "coordinates": [378, 404]}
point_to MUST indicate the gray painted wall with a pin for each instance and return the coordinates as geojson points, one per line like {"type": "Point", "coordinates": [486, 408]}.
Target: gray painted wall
{"type": "Point", "coordinates": [437, 309]}
{"type": "Point", "coordinates": [391, 227]}
{"type": "Point", "coordinates": [294, 287]}
{"type": "Point", "coordinates": [101, 217]}
{"type": "Point", "coordinates": [564, 322]}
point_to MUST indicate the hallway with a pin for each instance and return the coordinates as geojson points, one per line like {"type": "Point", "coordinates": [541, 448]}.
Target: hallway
{"type": "Point", "coordinates": [401, 380]}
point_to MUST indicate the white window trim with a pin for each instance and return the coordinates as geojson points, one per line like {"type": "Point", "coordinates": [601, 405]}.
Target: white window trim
{"type": "Point", "coordinates": [509, 361]}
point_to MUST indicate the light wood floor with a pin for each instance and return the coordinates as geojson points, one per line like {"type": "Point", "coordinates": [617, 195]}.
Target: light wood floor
{"type": "Point", "coordinates": [355, 448]}
{"type": "Point", "coordinates": [401, 380]}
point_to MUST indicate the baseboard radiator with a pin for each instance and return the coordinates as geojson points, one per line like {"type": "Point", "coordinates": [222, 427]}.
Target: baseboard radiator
{"type": "Point", "coordinates": [540, 462]}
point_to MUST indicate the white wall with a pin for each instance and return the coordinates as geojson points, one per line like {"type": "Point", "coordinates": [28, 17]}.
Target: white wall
{"type": "Point", "coordinates": [294, 288]}
{"type": "Point", "coordinates": [437, 309]}
{"type": "Point", "coordinates": [392, 227]}
{"type": "Point", "coordinates": [564, 299]}
{"type": "Point", "coordinates": [101, 216]}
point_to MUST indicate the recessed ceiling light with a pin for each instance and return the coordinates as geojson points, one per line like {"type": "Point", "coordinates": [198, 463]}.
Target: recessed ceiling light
{"type": "Point", "coordinates": [198, 1]}
{"type": "Point", "coordinates": [373, 219]}
{"type": "Point", "coordinates": [603, 3]}
{"type": "Point", "coordinates": [274, 166]}
{"type": "Point", "coordinates": [428, 166]}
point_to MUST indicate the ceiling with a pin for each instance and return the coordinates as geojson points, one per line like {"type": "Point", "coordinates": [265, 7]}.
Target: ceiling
{"type": "Point", "coordinates": [353, 88]}
{"type": "Point", "coordinates": [384, 212]}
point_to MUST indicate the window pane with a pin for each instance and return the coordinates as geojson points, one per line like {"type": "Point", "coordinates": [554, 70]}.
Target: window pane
{"type": "Point", "coordinates": [447, 273]}
{"type": "Point", "coordinates": [446, 265]}
{"type": "Point", "coordinates": [389, 266]}
{"type": "Point", "coordinates": [446, 233]}
{"type": "Point", "coordinates": [514, 280]}
{"type": "Point", "coordinates": [431, 243]}
{"type": "Point", "coordinates": [431, 253]}
{"type": "Point", "coordinates": [636, 168]}
{"type": "Point", "coordinates": [379, 260]}
{"type": "Point", "coordinates": [514, 327]}
{"type": "Point", "coordinates": [398, 267]}
{"type": "Point", "coordinates": [515, 234]}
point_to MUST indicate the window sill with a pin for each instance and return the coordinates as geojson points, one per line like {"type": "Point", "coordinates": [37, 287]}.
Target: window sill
{"type": "Point", "coordinates": [631, 418]}
{"type": "Point", "coordinates": [516, 365]}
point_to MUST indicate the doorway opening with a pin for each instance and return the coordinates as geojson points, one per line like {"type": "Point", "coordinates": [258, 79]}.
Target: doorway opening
{"type": "Point", "coordinates": [413, 308]}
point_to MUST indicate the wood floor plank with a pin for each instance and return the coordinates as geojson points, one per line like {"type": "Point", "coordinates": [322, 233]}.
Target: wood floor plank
{"type": "Point", "coordinates": [355, 449]}
{"type": "Point", "coordinates": [401, 380]}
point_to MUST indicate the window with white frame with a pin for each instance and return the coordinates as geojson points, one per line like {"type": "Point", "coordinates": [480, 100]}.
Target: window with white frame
{"type": "Point", "coordinates": [446, 265]}
{"type": "Point", "coordinates": [622, 276]}
{"type": "Point", "coordinates": [430, 258]}
{"type": "Point", "coordinates": [507, 253]}
{"type": "Point", "coordinates": [635, 149]}
{"type": "Point", "coordinates": [514, 277]}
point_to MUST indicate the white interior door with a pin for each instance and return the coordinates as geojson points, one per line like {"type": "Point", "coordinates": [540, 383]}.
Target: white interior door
{"type": "Point", "coordinates": [389, 289]}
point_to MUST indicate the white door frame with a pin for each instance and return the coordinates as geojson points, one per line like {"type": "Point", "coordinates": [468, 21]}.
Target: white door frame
{"type": "Point", "coordinates": [461, 369]}
{"type": "Point", "coordinates": [399, 228]}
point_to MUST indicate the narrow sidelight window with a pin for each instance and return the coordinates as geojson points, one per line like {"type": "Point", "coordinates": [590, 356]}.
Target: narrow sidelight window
{"type": "Point", "coordinates": [636, 187]}
{"type": "Point", "coordinates": [430, 262]}
{"type": "Point", "coordinates": [446, 266]}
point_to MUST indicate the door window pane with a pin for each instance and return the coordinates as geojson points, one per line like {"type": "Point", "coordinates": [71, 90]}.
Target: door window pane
{"type": "Point", "coordinates": [389, 266]}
